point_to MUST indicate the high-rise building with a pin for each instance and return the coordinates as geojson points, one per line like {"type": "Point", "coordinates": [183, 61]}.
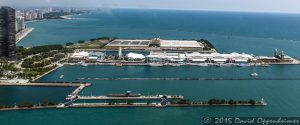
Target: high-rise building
{"type": "Point", "coordinates": [7, 32]}
{"type": "Point", "coordinates": [20, 24]}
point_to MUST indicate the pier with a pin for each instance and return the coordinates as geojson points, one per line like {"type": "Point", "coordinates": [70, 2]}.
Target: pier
{"type": "Point", "coordinates": [129, 98]}
{"type": "Point", "coordinates": [78, 90]}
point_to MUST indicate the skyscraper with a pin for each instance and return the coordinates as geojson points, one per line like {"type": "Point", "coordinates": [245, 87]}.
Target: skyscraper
{"type": "Point", "coordinates": [7, 32]}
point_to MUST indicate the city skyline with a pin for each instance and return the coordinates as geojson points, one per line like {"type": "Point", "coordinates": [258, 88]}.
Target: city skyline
{"type": "Point", "coordinates": [281, 6]}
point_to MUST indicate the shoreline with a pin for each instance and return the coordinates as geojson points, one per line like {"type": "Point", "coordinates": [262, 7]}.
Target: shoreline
{"type": "Point", "coordinates": [22, 34]}
{"type": "Point", "coordinates": [46, 73]}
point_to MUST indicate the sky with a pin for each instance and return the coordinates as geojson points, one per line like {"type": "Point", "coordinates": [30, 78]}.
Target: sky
{"type": "Point", "coordinates": [283, 6]}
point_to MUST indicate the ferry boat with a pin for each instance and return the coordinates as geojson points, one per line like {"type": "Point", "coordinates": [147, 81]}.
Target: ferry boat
{"type": "Point", "coordinates": [155, 64]}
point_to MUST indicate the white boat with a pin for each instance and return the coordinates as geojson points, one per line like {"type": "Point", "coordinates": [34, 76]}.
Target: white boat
{"type": "Point", "coordinates": [203, 64]}
{"type": "Point", "coordinates": [61, 76]}
{"type": "Point", "coordinates": [244, 65]}
{"type": "Point", "coordinates": [158, 105]}
{"type": "Point", "coordinates": [84, 64]}
{"type": "Point", "coordinates": [156, 64]}
{"type": "Point", "coordinates": [254, 74]}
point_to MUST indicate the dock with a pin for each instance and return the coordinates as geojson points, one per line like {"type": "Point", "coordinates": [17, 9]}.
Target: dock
{"type": "Point", "coordinates": [78, 90]}
{"type": "Point", "coordinates": [129, 98]}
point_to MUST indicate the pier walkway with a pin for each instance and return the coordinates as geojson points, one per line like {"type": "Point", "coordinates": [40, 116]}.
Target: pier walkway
{"type": "Point", "coordinates": [134, 98]}
{"type": "Point", "coordinates": [78, 90]}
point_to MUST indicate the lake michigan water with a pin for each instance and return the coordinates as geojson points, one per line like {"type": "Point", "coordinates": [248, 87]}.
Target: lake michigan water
{"type": "Point", "coordinates": [255, 33]}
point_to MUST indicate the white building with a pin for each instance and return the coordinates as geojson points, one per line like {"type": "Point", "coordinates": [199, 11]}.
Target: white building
{"type": "Point", "coordinates": [180, 44]}
{"type": "Point", "coordinates": [86, 56]}
{"type": "Point", "coordinates": [20, 25]}
{"type": "Point", "coordinates": [135, 56]}
{"type": "Point", "coordinates": [200, 58]}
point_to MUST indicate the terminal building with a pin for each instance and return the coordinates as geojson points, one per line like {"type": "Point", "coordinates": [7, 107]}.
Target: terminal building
{"type": "Point", "coordinates": [86, 56]}
{"type": "Point", "coordinates": [196, 57]}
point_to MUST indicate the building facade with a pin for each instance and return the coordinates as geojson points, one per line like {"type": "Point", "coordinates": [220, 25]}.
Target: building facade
{"type": "Point", "coordinates": [20, 24]}
{"type": "Point", "coordinates": [7, 32]}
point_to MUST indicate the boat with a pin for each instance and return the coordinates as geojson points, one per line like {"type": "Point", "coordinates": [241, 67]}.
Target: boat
{"type": "Point", "coordinates": [254, 74]}
{"type": "Point", "coordinates": [159, 105]}
{"type": "Point", "coordinates": [88, 84]}
{"type": "Point", "coordinates": [61, 76]}
{"type": "Point", "coordinates": [82, 63]}
{"type": "Point", "coordinates": [118, 64]}
{"type": "Point", "coordinates": [244, 65]}
{"type": "Point", "coordinates": [155, 64]}
{"type": "Point", "coordinates": [203, 64]}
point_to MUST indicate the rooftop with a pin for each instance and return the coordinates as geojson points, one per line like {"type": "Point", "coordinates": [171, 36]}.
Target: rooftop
{"type": "Point", "coordinates": [129, 43]}
{"type": "Point", "coordinates": [180, 44]}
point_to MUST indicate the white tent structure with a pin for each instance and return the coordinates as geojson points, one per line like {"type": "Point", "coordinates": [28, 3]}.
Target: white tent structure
{"type": "Point", "coordinates": [135, 56]}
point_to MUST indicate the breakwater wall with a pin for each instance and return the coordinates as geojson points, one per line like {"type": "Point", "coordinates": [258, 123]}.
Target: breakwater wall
{"type": "Point", "coordinates": [251, 78]}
